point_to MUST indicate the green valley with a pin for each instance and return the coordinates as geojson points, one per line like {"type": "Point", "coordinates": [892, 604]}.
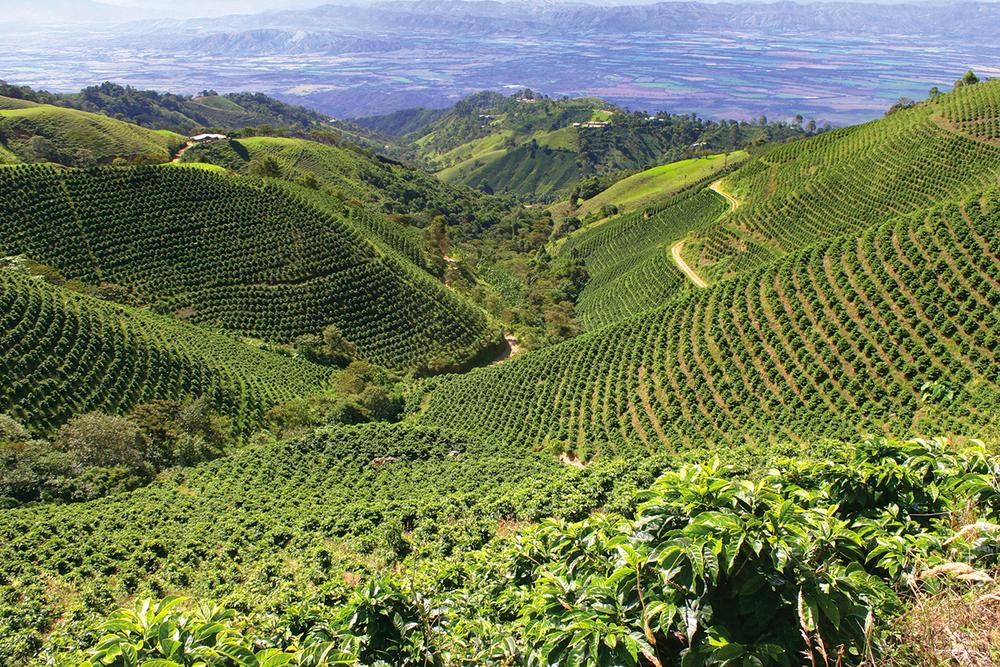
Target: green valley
{"type": "Point", "coordinates": [539, 383]}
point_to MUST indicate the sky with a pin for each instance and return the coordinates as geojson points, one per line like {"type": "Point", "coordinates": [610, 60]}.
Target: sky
{"type": "Point", "coordinates": [192, 8]}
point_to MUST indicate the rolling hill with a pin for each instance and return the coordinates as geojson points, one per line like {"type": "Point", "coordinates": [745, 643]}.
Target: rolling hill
{"type": "Point", "coordinates": [183, 114]}
{"type": "Point", "coordinates": [841, 182]}
{"type": "Point", "coordinates": [244, 256]}
{"type": "Point", "coordinates": [45, 133]}
{"type": "Point", "coordinates": [835, 339]}
{"type": "Point", "coordinates": [65, 354]}
{"type": "Point", "coordinates": [539, 148]}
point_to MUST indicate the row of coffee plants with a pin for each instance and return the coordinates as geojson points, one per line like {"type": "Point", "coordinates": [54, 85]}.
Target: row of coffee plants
{"type": "Point", "coordinates": [239, 255]}
{"type": "Point", "coordinates": [833, 340]}
{"type": "Point", "coordinates": [844, 181]}
{"type": "Point", "coordinates": [628, 258]}
{"type": "Point", "coordinates": [63, 354]}
{"type": "Point", "coordinates": [809, 564]}
{"type": "Point", "coordinates": [975, 110]}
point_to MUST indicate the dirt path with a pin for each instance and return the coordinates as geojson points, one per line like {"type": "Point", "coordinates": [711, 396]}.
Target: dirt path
{"type": "Point", "coordinates": [675, 250]}
{"type": "Point", "coordinates": [184, 149]}
{"type": "Point", "coordinates": [716, 187]}
{"type": "Point", "coordinates": [510, 348]}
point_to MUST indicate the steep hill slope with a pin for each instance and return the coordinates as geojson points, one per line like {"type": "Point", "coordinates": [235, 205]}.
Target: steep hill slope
{"type": "Point", "coordinates": [45, 133]}
{"type": "Point", "coordinates": [628, 257]}
{"type": "Point", "coordinates": [848, 179]}
{"type": "Point", "coordinates": [238, 254]}
{"type": "Point", "coordinates": [64, 354]}
{"type": "Point", "coordinates": [833, 339]}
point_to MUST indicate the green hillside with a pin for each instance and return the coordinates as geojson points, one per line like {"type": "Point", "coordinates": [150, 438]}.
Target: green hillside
{"type": "Point", "coordinates": [540, 148]}
{"type": "Point", "coordinates": [239, 255]}
{"type": "Point", "coordinates": [65, 354]}
{"type": "Point", "coordinates": [183, 114]}
{"type": "Point", "coordinates": [830, 341]}
{"type": "Point", "coordinates": [794, 195]}
{"type": "Point", "coordinates": [629, 257]}
{"type": "Point", "coordinates": [44, 133]}
{"type": "Point", "coordinates": [651, 185]}
{"type": "Point", "coordinates": [666, 404]}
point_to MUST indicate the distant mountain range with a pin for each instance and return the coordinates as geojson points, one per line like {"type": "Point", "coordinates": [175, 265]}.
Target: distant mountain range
{"type": "Point", "coordinates": [531, 18]}
{"type": "Point", "coordinates": [836, 62]}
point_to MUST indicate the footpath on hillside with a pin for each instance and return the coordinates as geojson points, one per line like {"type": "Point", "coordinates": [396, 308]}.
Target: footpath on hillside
{"type": "Point", "coordinates": [675, 249]}
{"type": "Point", "coordinates": [184, 149]}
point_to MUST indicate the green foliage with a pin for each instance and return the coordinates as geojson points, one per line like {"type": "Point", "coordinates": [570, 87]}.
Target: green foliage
{"type": "Point", "coordinates": [811, 559]}
{"type": "Point", "coordinates": [243, 256]}
{"type": "Point", "coordinates": [362, 393]}
{"type": "Point", "coordinates": [94, 454]}
{"type": "Point", "coordinates": [160, 635]}
{"type": "Point", "coordinates": [844, 181]}
{"type": "Point", "coordinates": [178, 113]}
{"type": "Point", "coordinates": [43, 133]}
{"type": "Point", "coordinates": [65, 354]}
{"type": "Point", "coordinates": [833, 340]}
{"type": "Point", "coordinates": [262, 527]}
{"type": "Point", "coordinates": [530, 147]}
{"type": "Point", "coordinates": [629, 259]}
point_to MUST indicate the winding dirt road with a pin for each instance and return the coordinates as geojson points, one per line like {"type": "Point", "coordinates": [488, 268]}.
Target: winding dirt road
{"type": "Point", "coordinates": [675, 249]}
{"type": "Point", "coordinates": [716, 187]}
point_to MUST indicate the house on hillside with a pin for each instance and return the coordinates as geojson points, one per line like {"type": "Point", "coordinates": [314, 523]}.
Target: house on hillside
{"type": "Point", "coordinates": [202, 138]}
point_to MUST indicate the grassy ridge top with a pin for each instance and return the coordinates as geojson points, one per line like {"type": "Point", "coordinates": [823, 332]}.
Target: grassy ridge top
{"type": "Point", "coordinates": [38, 132]}
{"type": "Point", "coordinates": [238, 254]}
{"type": "Point", "coordinates": [840, 182]}
{"type": "Point", "coordinates": [828, 341]}
{"type": "Point", "coordinates": [64, 354]}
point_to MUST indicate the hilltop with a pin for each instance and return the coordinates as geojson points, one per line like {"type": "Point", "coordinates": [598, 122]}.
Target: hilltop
{"type": "Point", "coordinates": [183, 114]}
{"type": "Point", "coordinates": [32, 132]}
{"type": "Point", "coordinates": [541, 148]}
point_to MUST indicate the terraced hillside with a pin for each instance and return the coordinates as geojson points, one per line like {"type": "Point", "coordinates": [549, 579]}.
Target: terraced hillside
{"type": "Point", "coordinates": [845, 180]}
{"type": "Point", "coordinates": [837, 338]}
{"type": "Point", "coordinates": [63, 354]}
{"type": "Point", "coordinates": [237, 254]}
{"type": "Point", "coordinates": [45, 133]}
{"type": "Point", "coordinates": [629, 257]}
{"type": "Point", "coordinates": [347, 174]}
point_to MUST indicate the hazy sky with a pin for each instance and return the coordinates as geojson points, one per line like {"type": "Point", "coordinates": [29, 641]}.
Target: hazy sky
{"type": "Point", "coordinates": [188, 8]}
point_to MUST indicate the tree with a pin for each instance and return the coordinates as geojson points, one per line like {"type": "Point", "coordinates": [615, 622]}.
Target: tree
{"type": "Point", "coordinates": [968, 79]}
{"type": "Point", "coordinates": [933, 93]}
{"type": "Point", "coordinates": [265, 167]}
{"type": "Point", "coordinates": [337, 346]}
{"type": "Point", "coordinates": [105, 441]}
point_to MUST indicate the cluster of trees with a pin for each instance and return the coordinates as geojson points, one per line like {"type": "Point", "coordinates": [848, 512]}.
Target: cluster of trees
{"type": "Point", "coordinates": [95, 454]}
{"type": "Point", "coordinates": [361, 393]}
